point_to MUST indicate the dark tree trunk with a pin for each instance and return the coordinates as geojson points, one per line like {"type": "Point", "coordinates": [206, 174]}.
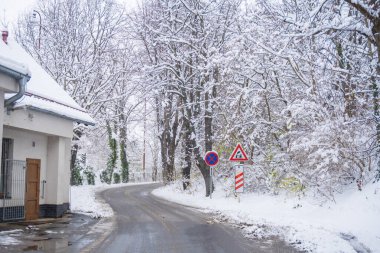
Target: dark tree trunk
{"type": "Point", "coordinates": [168, 137]}
{"type": "Point", "coordinates": [192, 110]}
{"type": "Point", "coordinates": [376, 32]}
{"type": "Point", "coordinates": [164, 155]}
{"type": "Point", "coordinates": [74, 151]}
{"type": "Point", "coordinates": [172, 143]}
{"type": "Point", "coordinates": [123, 156]}
{"type": "Point", "coordinates": [345, 84]}
{"type": "Point", "coordinates": [188, 151]}
{"type": "Point", "coordinates": [155, 169]}
{"type": "Point", "coordinates": [204, 169]}
{"type": "Point", "coordinates": [374, 18]}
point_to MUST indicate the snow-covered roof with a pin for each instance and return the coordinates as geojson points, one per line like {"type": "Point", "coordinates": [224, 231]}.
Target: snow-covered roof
{"type": "Point", "coordinates": [42, 91]}
{"type": "Point", "coordinates": [11, 63]}
{"type": "Point", "coordinates": [47, 106]}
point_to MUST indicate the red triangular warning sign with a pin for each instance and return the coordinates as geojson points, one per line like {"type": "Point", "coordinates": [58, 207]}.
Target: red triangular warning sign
{"type": "Point", "coordinates": [238, 155]}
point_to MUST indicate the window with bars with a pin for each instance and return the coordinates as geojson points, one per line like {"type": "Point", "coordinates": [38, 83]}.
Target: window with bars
{"type": "Point", "coordinates": [6, 171]}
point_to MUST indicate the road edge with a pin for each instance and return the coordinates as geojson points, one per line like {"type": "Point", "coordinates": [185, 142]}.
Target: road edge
{"type": "Point", "coordinates": [103, 228]}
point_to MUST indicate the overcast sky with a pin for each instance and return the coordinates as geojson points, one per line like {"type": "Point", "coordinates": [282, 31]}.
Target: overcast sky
{"type": "Point", "coordinates": [10, 9]}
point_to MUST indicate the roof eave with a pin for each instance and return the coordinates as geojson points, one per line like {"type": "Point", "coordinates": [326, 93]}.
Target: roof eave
{"type": "Point", "coordinates": [80, 121]}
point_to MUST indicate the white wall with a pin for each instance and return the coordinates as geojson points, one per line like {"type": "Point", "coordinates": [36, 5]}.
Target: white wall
{"type": "Point", "coordinates": [58, 170]}
{"type": "Point", "coordinates": [39, 122]}
{"type": "Point", "coordinates": [8, 84]}
{"type": "Point", "coordinates": [2, 112]}
{"type": "Point", "coordinates": [54, 153]}
{"type": "Point", "coordinates": [46, 137]}
{"type": "Point", "coordinates": [23, 148]}
{"type": "Point", "coordinates": [41, 136]}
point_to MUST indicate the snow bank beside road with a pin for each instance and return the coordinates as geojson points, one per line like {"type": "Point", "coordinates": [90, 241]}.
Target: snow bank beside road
{"type": "Point", "coordinates": [84, 200]}
{"type": "Point", "coordinates": [352, 224]}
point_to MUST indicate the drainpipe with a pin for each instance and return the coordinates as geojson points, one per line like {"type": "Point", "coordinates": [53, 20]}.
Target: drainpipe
{"type": "Point", "coordinates": [22, 80]}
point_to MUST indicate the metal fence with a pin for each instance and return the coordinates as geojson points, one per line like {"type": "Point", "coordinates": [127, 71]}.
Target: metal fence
{"type": "Point", "coordinates": [12, 190]}
{"type": "Point", "coordinates": [139, 177]}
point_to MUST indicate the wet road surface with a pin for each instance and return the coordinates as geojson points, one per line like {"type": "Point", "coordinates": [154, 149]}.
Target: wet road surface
{"type": "Point", "coordinates": [147, 224]}
{"type": "Point", "coordinates": [62, 235]}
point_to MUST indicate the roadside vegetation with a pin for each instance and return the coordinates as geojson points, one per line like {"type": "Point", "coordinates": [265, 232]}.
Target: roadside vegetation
{"type": "Point", "coordinates": [295, 82]}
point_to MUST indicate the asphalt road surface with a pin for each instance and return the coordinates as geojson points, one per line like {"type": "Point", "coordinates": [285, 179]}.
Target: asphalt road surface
{"type": "Point", "coordinates": [147, 224]}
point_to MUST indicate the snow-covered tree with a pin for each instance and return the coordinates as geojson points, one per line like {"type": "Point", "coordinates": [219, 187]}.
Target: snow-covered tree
{"type": "Point", "coordinates": [82, 45]}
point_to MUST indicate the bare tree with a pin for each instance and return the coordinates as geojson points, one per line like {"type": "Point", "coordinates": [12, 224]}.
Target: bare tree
{"type": "Point", "coordinates": [77, 47]}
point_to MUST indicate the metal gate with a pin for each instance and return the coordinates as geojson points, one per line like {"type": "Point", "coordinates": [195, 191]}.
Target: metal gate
{"type": "Point", "coordinates": [12, 190]}
{"type": "Point", "coordinates": [139, 177]}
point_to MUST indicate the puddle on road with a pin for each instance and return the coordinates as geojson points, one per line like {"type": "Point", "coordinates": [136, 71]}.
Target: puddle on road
{"type": "Point", "coordinates": [50, 245]}
{"type": "Point", "coordinates": [58, 236]}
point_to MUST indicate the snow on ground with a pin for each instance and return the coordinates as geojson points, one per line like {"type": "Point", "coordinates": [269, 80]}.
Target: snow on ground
{"type": "Point", "coordinates": [84, 200]}
{"type": "Point", "coordinates": [351, 224]}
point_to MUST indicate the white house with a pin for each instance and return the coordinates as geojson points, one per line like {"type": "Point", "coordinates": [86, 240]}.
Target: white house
{"type": "Point", "coordinates": [36, 127]}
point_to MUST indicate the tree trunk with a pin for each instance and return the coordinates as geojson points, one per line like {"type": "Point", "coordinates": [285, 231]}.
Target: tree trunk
{"type": "Point", "coordinates": [205, 170]}
{"type": "Point", "coordinates": [168, 137]}
{"type": "Point", "coordinates": [188, 151]}
{"type": "Point", "coordinates": [74, 151]}
{"type": "Point", "coordinates": [376, 32]}
{"type": "Point", "coordinates": [192, 110]}
{"type": "Point", "coordinates": [375, 5]}
{"type": "Point", "coordinates": [172, 144]}
{"type": "Point", "coordinates": [345, 84]}
{"type": "Point", "coordinates": [164, 155]}
{"type": "Point", "coordinates": [123, 156]}
{"type": "Point", "coordinates": [155, 169]}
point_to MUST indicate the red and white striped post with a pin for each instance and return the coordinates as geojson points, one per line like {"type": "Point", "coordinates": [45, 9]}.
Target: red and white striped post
{"type": "Point", "coordinates": [239, 178]}
{"type": "Point", "coordinates": [239, 155]}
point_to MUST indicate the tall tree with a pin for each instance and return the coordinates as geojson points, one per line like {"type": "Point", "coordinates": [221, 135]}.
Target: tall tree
{"type": "Point", "coordinates": [183, 39]}
{"type": "Point", "coordinates": [76, 45]}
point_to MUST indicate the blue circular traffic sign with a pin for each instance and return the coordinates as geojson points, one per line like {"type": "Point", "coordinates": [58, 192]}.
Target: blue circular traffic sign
{"type": "Point", "coordinates": [211, 158]}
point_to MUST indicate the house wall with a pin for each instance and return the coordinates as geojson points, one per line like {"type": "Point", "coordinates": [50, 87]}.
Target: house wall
{"type": "Point", "coordinates": [59, 177]}
{"type": "Point", "coordinates": [39, 122]}
{"type": "Point", "coordinates": [8, 84]}
{"type": "Point", "coordinates": [48, 138]}
{"type": "Point", "coordinates": [1, 114]}
{"type": "Point", "coordinates": [23, 148]}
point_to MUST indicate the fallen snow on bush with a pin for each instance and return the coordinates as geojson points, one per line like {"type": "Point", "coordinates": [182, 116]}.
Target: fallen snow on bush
{"type": "Point", "coordinates": [351, 224]}
{"type": "Point", "coordinates": [84, 200]}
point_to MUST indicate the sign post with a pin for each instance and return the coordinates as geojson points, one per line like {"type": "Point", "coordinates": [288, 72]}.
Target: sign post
{"type": "Point", "coordinates": [239, 155]}
{"type": "Point", "coordinates": [211, 159]}
{"type": "Point", "coordinates": [239, 178]}
{"type": "Point", "coordinates": [211, 174]}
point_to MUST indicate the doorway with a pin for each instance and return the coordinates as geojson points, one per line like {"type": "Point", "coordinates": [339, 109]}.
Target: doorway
{"type": "Point", "coordinates": [32, 191]}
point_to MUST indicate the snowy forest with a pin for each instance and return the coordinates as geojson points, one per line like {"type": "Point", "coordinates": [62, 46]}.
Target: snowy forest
{"type": "Point", "coordinates": [296, 82]}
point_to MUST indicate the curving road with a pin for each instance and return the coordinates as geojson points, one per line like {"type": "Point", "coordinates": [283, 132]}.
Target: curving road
{"type": "Point", "coordinates": [147, 224]}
